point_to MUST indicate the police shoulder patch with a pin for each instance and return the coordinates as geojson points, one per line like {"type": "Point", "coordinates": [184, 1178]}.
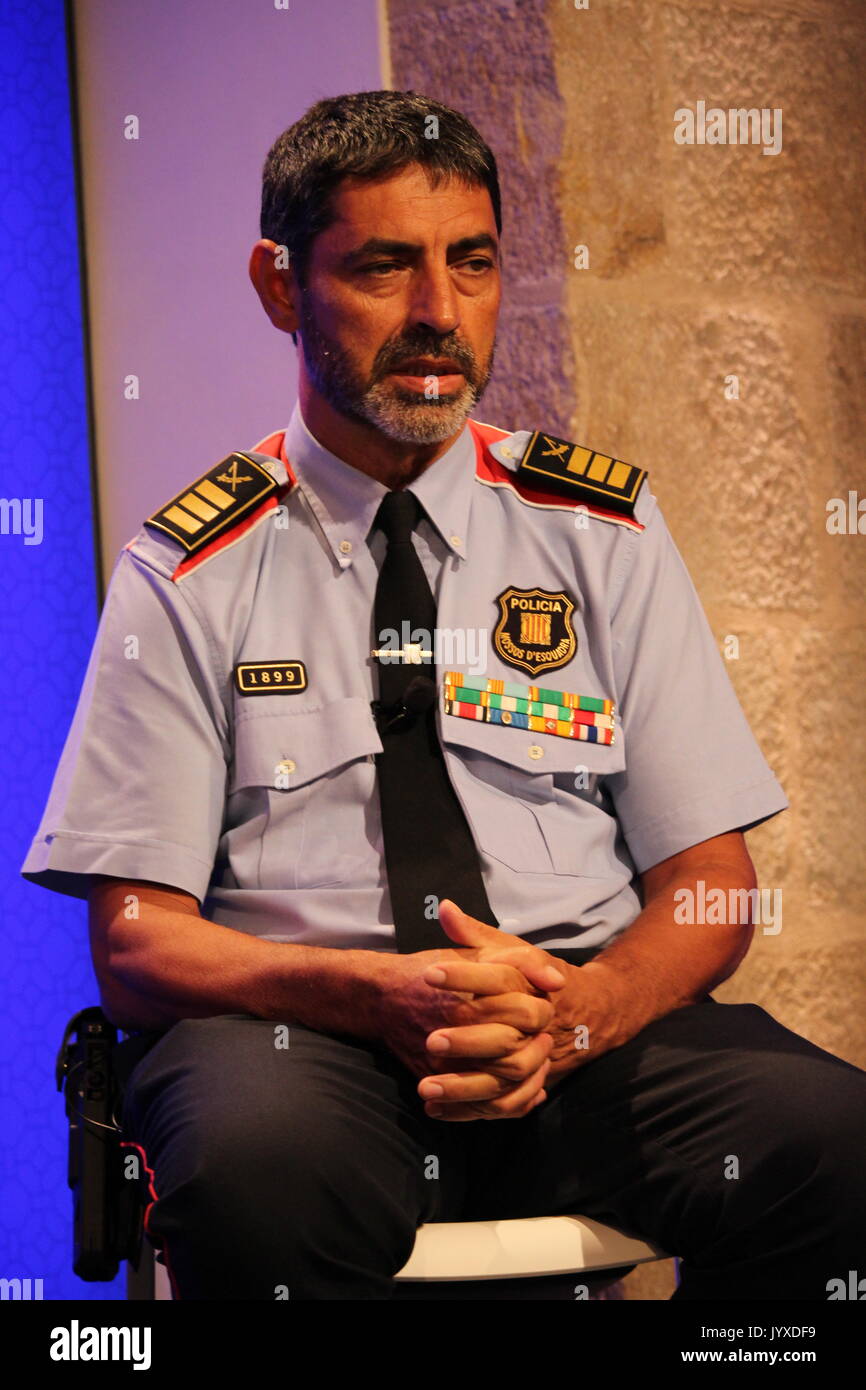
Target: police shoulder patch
{"type": "Point", "coordinates": [228, 493]}
{"type": "Point", "coordinates": [580, 473]}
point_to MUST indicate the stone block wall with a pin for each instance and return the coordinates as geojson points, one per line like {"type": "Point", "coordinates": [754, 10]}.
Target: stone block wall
{"type": "Point", "coordinates": [717, 337]}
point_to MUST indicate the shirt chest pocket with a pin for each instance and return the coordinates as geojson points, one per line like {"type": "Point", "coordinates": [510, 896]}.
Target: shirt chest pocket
{"type": "Point", "coordinates": [300, 787]}
{"type": "Point", "coordinates": [535, 801]}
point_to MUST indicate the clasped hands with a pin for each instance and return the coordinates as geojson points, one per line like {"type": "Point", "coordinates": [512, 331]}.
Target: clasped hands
{"type": "Point", "coordinates": [487, 1025]}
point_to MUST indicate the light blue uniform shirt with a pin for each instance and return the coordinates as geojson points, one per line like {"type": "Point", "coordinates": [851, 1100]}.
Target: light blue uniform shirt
{"type": "Point", "coordinates": [265, 807]}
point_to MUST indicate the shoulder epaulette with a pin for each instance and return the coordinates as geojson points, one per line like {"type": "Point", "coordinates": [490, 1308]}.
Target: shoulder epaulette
{"type": "Point", "coordinates": [581, 473]}
{"type": "Point", "coordinates": [221, 498]}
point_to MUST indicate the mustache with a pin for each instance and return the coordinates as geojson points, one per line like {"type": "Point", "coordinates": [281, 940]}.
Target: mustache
{"type": "Point", "coordinates": [392, 354]}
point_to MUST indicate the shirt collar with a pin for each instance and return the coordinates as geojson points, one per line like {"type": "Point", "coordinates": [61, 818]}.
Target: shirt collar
{"type": "Point", "coordinates": [345, 501]}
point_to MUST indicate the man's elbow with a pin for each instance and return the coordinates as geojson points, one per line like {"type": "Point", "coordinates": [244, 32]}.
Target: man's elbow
{"type": "Point", "coordinates": [122, 1005]}
{"type": "Point", "coordinates": [739, 951]}
{"type": "Point", "coordinates": [712, 884]}
{"type": "Point", "coordinates": [742, 905]}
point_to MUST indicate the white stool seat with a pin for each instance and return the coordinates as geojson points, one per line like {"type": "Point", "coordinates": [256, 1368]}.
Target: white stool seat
{"type": "Point", "coordinates": [514, 1249]}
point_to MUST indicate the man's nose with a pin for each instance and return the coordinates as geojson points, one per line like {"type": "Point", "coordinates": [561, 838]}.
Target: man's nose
{"type": "Point", "coordinates": [434, 300]}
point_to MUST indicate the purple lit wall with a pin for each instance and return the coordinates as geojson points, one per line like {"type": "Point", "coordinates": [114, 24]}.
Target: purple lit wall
{"type": "Point", "coordinates": [171, 218]}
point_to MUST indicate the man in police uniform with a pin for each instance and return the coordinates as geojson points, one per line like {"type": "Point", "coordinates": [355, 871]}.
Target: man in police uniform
{"type": "Point", "coordinates": [232, 801]}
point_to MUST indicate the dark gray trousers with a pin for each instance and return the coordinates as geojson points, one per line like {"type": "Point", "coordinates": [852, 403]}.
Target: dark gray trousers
{"type": "Point", "coordinates": [715, 1133]}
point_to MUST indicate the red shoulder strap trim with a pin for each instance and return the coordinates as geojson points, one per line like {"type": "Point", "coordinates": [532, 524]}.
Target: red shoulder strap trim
{"type": "Point", "coordinates": [492, 473]}
{"type": "Point", "coordinates": [230, 538]}
{"type": "Point", "coordinates": [274, 445]}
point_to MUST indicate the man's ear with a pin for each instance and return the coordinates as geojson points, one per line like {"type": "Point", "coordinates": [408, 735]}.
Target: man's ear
{"type": "Point", "coordinates": [275, 284]}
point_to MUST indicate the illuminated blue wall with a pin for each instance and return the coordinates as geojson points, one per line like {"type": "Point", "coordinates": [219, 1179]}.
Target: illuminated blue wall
{"type": "Point", "coordinates": [48, 618]}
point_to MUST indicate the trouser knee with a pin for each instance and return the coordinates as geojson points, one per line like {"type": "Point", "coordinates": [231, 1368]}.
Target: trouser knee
{"type": "Point", "coordinates": [280, 1217]}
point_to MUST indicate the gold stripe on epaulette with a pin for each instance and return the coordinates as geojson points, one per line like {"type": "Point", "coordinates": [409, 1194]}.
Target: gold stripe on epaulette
{"type": "Point", "coordinates": [214, 503]}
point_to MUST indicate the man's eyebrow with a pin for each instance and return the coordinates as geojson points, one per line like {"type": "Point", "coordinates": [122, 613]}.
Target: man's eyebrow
{"type": "Point", "coordinates": [382, 246]}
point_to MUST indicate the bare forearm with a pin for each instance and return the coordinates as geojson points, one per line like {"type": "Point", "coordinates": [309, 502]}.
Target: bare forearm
{"type": "Point", "coordinates": [174, 965]}
{"type": "Point", "coordinates": [661, 963]}
{"type": "Point", "coordinates": [657, 965]}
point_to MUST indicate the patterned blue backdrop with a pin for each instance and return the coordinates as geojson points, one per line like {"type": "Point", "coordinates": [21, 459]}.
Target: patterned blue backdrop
{"type": "Point", "coordinates": [48, 618]}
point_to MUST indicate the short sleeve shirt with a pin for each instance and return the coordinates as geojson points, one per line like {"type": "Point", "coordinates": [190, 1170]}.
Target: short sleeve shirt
{"type": "Point", "coordinates": [264, 805]}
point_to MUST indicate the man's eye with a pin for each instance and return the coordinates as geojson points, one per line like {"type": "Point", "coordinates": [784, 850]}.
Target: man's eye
{"type": "Point", "coordinates": [476, 265]}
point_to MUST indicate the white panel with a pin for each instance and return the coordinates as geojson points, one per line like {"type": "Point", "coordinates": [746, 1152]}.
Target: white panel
{"type": "Point", "coordinates": [171, 218]}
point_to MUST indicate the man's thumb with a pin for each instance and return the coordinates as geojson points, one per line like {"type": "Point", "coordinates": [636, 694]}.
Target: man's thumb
{"type": "Point", "coordinates": [468, 931]}
{"type": "Point", "coordinates": [463, 929]}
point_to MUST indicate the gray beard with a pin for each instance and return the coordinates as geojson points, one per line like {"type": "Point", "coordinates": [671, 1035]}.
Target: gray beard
{"type": "Point", "coordinates": [399, 414]}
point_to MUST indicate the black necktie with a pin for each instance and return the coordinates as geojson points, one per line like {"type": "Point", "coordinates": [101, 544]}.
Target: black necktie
{"type": "Point", "coordinates": [429, 850]}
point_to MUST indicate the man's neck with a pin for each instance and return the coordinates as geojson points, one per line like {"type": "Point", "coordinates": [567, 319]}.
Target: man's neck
{"type": "Point", "coordinates": [358, 443]}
